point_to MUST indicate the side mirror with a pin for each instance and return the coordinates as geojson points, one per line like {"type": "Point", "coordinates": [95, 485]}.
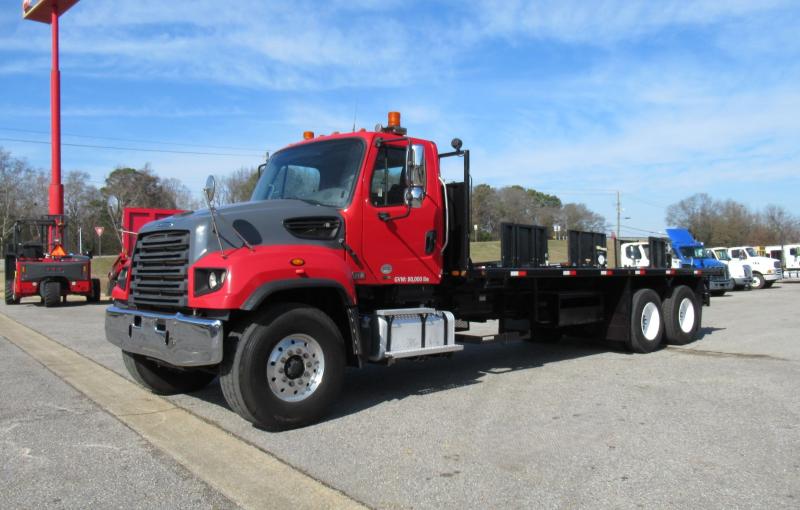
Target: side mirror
{"type": "Point", "coordinates": [263, 165]}
{"type": "Point", "coordinates": [414, 196]}
{"type": "Point", "coordinates": [209, 189]}
{"type": "Point", "coordinates": [415, 164]}
{"type": "Point", "coordinates": [88, 253]}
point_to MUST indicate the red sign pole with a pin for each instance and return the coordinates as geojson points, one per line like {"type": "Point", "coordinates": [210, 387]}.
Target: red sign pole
{"type": "Point", "coordinates": [56, 188]}
{"type": "Point", "coordinates": [48, 11]}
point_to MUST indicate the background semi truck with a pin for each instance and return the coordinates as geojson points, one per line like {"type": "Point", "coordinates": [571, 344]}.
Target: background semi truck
{"type": "Point", "coordinates": [689, 252]}
{"type": "Point", "coordinates": [740, 272]}
{"type": "Point", "coordinates": [354, 250]}
{"type": "Point", "coordinates": [789, 256]}
{"type": "Point", "coordinates": [766, 271]}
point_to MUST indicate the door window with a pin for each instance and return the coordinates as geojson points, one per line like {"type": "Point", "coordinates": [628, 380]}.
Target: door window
{"type": "Point", "coordinates": [388, 177]}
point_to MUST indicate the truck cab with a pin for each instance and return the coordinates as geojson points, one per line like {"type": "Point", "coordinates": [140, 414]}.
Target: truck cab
{"type": "Point", "coordinates": [634, 254]}
{"type": "Point", "coordinates": [688, 252]}
{"type": "Point", "coordinates": [741, 273]}
{"type": "Point", "coordinates": [766, 271]}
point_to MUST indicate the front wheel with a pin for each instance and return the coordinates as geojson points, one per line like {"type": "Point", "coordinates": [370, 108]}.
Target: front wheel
{"type": "Point", "coordinates": [647, 326]}
{"type": "Point", "coordinates": [758, 281]}
{"type": "Point", "coordinates": [163, 380]}
{"type": "Point", "coordinates": [285, 369]}
{"type": "Point", "coordinates": [10, 298]}
{"type": "Point", "coordinates": [769, 284]}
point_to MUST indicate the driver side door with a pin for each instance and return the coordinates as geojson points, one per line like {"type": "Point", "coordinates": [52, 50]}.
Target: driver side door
{"type": "Point", "coordinates": [399, 248]}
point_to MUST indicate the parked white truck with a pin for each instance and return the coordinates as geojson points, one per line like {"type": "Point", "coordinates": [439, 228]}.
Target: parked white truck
{"type": "Point", "coordinates": [740, 271]}
{"type": "Point", "coordinates": [789, 255]}
{"type": "Point", "coordinates": [766, 271]}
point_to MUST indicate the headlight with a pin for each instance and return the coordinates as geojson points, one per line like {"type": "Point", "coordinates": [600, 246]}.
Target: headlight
{"type": "Point", "coordinates": [208, 280]}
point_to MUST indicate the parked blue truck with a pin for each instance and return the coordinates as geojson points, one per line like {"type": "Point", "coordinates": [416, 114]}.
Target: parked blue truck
{"type": "Point", "coordinates": [689, 252]}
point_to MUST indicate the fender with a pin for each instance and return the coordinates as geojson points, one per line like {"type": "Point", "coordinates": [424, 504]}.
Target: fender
{"type": "Point", "coordinates": [265, 290]}
{"type": "Point", "coordinates": [252, 276]}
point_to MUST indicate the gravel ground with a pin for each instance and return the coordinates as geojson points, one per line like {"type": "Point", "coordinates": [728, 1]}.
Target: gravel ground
{"type": "Point", "coordinates": [575, 424]}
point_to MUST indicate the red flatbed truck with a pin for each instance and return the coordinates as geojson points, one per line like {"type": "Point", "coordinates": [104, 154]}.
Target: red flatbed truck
{"type": "Point", "coordinates": [354, 250]}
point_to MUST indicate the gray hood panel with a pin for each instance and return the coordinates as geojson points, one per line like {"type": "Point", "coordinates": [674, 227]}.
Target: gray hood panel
{"type": "Point", "coordinates": [260, 222]}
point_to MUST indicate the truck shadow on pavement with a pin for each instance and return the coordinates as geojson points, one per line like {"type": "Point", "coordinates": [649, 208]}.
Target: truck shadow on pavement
{"type": "Point", "coordinates": [375, 384]}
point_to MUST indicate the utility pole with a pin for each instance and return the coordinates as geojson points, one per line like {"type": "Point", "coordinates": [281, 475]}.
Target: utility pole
{"type": "Point", "coordinates": [619, 212]}
{"type": "Point", "coordinates": [617, 243]}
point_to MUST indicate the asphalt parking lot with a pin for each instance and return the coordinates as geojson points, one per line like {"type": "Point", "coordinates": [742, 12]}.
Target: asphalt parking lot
{"type": "Point", "coordinates": [577, 424]}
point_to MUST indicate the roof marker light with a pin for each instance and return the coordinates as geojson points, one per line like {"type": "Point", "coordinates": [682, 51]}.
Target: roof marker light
{"type": "Point", "coordinates": [394, 119]}
{"type": "Point", "coordinates": [308, 135]}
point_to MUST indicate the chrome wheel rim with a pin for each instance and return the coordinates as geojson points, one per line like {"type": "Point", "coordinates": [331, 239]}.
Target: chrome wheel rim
{"type": "Point", "coordinates": [651, 321]}
{"type": "Point", "coordinates": [295, 368]}
{"type": "Point", "coordinates": [686, 315]}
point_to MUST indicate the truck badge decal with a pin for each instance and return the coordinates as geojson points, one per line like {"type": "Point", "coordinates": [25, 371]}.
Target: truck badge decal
{"type": "Point", "coordinates": [386, 269]}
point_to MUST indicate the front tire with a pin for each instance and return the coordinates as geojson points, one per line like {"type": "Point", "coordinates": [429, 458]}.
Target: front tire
{"type": "Point", "coordinates": [285, 369]}
{"type": "Point", "coordinates": [10, 298]}
{"type": "Point", "coordinates": [758, 281]}
{"type": "Point", "coordinates": [769, 284]}
{"type": "Point", "coordinates": [163, 380]}
{"type": "Point", "coordinates": [682, 315]}
{"type": "Point", "coordinates": [647, 326]}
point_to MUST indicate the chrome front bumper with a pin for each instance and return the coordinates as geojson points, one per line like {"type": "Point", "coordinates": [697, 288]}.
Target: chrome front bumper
{"type": "Point", "coordinates": [177, 339]}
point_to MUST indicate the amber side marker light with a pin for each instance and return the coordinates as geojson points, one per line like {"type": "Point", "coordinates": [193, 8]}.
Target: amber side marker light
{"type": "Point", "coordinates": [308, 135]}
{"type": "Point", "coordinates": [297, 262]}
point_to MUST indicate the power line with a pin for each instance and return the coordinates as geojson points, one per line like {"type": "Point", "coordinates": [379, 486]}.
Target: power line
{"type": "Point", "coordinates": [135, 140]}
{"type": "Point", "coordinates": [133, 149]}
{"type": "Point", "coordinates": [641, 230]}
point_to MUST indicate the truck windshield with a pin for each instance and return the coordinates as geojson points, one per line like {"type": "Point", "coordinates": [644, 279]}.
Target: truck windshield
{"type": "Point", "coordinates": [319, 173]}
{"type": "Point", "coordinates": [751, 252]}
{"type": "Point", "coordinates": [722, 255]}
{"type": "Point", "coordinates": [696, 252]}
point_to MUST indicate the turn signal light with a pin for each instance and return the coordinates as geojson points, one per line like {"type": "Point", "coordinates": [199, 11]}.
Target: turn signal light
{"type": "Point", "coordinates": [297, 261]}
{"type": "Point", "coordinates": [308, 135]}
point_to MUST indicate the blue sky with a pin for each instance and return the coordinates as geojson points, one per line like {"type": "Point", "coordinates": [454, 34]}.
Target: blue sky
{"type": "Point", "coordinates": [656, 99]}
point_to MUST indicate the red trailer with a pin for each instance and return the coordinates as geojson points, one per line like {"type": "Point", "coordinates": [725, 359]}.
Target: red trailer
{"type": "Point", "coordinates": [133, 219]}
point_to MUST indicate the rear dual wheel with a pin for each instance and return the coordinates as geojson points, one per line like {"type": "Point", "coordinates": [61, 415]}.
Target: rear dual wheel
{"type": "Point", "coordinates": [682, 315]}
{"type": "Point", "coordinates": [647, 325]}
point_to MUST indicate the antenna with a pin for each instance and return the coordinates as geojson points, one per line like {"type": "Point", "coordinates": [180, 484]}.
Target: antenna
{"type": "Point", "coordinates": [355, 112]}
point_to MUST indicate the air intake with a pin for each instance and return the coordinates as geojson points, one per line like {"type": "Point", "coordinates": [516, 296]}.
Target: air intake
{"type": "Point", "coordinates": [322, 228]}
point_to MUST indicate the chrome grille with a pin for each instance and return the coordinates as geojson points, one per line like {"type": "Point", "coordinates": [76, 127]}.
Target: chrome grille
{"type": "Point", "coordinates": [159, 269]}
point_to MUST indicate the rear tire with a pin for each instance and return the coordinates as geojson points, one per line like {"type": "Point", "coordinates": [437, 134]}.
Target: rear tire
{"type": "Point", "coordinates": [51, 293]}
{"type": "Point", "coordinates": [682, 316]}
{"type": "Point", "coordinates": [163, 380]}
{"type": "Point", "coordinates": [285, 369]}
{"type": "Point", "coordinates": [94, 297]}
{"type": "Point", "coordinates": [758, 281]}
{"type": "Point", "coordinates": [647, 326]}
